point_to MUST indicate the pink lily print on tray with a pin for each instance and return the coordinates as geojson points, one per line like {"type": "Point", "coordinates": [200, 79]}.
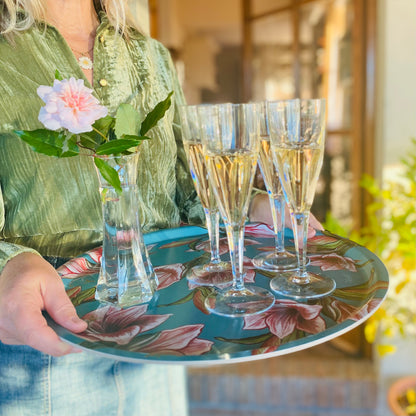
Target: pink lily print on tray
{"type": "Point", "coordinates": [198, 293]}
{"type": "Point", "coordinates": [169, 274]}
{"type": "Point", "coordinates": [130, 329]}
{"type": "Point", "coordinates": [88, 263]}
{"type": "Point", "coordinates": [285, 321]}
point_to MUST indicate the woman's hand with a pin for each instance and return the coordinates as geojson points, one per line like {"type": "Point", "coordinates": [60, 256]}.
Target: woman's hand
{"type": "Point", "coordinates": [29, 285]}
{"type": "Point", "coordinates": [260, 212]}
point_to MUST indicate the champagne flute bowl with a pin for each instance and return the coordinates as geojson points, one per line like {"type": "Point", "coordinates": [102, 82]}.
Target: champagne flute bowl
{"type": "Point", "coordinates": [216, 272]}
{"type": "Point", "coordinates": [297, 134]}
{"type": "Point", "coordinates": [278, 259]}
{"type": "Point", "coordinates": [231, 145]}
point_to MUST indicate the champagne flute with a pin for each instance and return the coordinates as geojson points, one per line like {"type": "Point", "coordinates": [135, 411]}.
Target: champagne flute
{"type": "Point", "coordinates": [231, 147]}
{"type": "Point", "coordinates": [279, 259]}
{"type": "Point", "coordinates": [211, 273]}
{"type": "Point", "coordinates": [297, 134]}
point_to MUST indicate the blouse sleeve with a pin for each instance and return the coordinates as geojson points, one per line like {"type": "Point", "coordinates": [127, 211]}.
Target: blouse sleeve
{"type": "Point", "coordinates": [190, 207]}
{"type": "Point", "coordinates": [9, 250]}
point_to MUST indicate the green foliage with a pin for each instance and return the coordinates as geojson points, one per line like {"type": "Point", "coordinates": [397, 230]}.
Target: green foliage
{"type": "Point", "coordinates": [155, 115]}
{"type": "Point", "coordinates": [50, 143]}
{"type": "Point", "coordinates": [118, 135]}
{"type": "Point", "coordinates": [391, 234]}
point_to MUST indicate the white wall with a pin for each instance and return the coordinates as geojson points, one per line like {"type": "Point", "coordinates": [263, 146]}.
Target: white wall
{"type": "Point", "coordinates": [396, 66]}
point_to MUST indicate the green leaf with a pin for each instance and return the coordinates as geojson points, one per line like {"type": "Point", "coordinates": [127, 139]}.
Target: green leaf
{"type": "Point", "coordinates": [127, 121]}
{"type": "Point", "coordinates": [102, 131]}
{"type": "Point", "coordinates": [156, 114]}
{"type": "Point", "coordinates": [135, 137]}
{"type": "Point", "coordinates": [83, 297]}
{"type": "Point", "coordinates": [90, 140]}
{"type": "Point", "coordinates": [109, 174]}
{"type": "Point", "coordinates": [48, 142]}
{"type": "Point", "coordinates": [116, 147]}
{"type": "Point", "coordinates": [69, 145]}
{"type": "Point", "coordinates": [104, 124]}
{"type": "Point", "coordinates": [58, 75]}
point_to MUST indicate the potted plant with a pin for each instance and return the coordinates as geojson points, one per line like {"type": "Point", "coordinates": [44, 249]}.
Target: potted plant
{"type": "Point", "coordinates": [401, 396]}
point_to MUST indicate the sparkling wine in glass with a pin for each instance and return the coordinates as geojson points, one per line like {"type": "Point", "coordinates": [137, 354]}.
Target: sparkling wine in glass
{"type": "Point", "coordinates": [231, 147]}
{"type": "Point", "coordinates": [297, 133]}
{"type": "Point", "coordinates": [278, 259]}
{"type": "Point", "coordinates": [216, 272]}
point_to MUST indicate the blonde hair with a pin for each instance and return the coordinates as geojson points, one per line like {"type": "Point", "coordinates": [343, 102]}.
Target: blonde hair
{"type": "Point", "coordinates": [11, 22]}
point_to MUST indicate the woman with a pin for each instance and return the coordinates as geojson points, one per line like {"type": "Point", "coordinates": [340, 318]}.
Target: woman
{"type": "Point", "coordinates": [50, 208]}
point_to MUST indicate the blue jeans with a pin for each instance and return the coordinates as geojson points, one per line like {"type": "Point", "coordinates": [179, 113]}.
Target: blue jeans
{"type": "Point", "coordinates": [84, 384]}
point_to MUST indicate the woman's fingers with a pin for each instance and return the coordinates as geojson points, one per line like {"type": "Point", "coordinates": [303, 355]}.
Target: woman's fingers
{"type": "Point", "coordinates": [28, 286]}
{"type": "Point", "coordinates": [260, 212]}
{"type": "Point", "coordinates": [61, 310]}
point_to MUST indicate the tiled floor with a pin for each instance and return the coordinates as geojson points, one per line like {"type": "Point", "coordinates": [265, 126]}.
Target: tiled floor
{"type": "Point", "coordinates": [320, 381]}
{"type": "Point", "coordinates": [392, 367]}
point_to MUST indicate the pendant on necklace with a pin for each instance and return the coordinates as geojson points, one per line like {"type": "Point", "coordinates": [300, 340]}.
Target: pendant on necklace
{"type": "Point", "coordinates": [85, 62]}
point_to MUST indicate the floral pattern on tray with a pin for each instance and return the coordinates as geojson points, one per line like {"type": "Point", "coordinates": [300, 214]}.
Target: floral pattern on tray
{"type": "Point", "coordinates": [176, 327]}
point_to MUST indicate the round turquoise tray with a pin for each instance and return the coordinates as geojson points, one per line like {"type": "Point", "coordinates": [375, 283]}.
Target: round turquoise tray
{"type": "Point", "coordinates": [176, 328]}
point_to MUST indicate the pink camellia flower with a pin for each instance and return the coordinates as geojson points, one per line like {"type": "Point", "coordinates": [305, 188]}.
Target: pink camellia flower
{"type": "Point", "coordinates": [112, 324]}
{"type": "Point", "coordinates": [69, 104]}
{"type": "Point", "coordinates": [287, 315]}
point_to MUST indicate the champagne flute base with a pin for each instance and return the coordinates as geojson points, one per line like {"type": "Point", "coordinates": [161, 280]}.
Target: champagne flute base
{"type": "Point", "coordinates": [249, 300]}
{"type": "Point", "coordinates": [275, 261]}
{"type": "Point", "coordinates": [211, 274]}
{"type": "Point", "coordinates": [315, 286]}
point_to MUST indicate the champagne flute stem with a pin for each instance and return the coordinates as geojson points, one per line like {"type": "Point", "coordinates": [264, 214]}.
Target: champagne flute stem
{"type": "Point", "coordinates": [212, 220]}
{"type": "Point", "coordinates": [235, 235]}
{"type": "Point", "coordinates": [300, 223]}
{"type": "Point", "coordinates": [278, 216]}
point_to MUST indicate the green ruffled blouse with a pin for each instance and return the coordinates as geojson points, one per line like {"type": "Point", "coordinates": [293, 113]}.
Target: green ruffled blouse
{"type": "Point", "coordinates": [52, 205]}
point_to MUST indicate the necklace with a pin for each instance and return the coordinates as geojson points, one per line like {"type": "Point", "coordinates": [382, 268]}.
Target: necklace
{"type": "Point", "coordinates": [84, 60]}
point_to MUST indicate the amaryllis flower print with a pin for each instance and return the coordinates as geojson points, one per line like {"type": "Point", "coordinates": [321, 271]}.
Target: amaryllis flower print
{"type": "Point", "coordinates": [226, 275]}
{"type": "Point", "coordinates": [333, 262]}
{"type": "Point", "coordinates": [285, 316]}
{"type": "Point", "coordinates": [169, 274]}
{"type": "Point", "coordinates": [84, 265]}
{"type": "Point", "coordinates": [205, 246]}
{"type": "Point", "coordinates": [120, 326]}
{"type": "Point", "coordinates": [179, 341]}
{"type": "Point", "coordinates": [259, 230]}
{"type": "Point", "coordinates": [69, 104]}
{"type": "Point", "coordinates": [342, 311]}
{"type": "Point", "coordinates": [128, 327]}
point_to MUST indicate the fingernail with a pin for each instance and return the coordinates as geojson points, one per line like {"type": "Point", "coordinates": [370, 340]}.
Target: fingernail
{"type": "Point", "coordinates": [78, 324]}
{"type": "Point", "coordinates": [78, 321]}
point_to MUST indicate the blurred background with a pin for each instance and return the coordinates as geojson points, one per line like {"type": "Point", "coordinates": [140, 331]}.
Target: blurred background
{"type": "Point", "coordinates": [361, 56]}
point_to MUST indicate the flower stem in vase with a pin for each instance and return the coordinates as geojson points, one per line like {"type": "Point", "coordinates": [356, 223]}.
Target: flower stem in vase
{"type": "Point", "coordinates": [126, 276]}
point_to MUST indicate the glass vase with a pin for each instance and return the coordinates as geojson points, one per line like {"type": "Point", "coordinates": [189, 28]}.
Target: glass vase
{"type": "Point", "coordinates": [126, 276]}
